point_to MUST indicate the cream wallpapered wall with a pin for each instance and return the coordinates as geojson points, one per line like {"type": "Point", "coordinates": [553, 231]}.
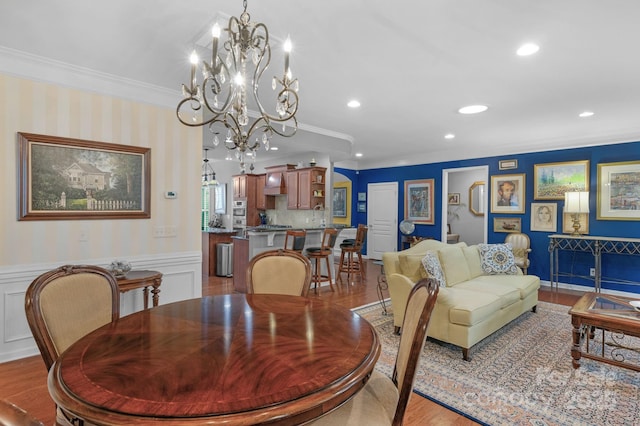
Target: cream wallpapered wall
{"type": "Point", "coordinates": [35, 107]}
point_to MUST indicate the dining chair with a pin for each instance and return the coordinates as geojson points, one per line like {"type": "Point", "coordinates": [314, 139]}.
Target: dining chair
{"type": "Point", "coordinates": [294, 240]}
{"type": "Point", "coordinates": [351, 256]}
{"type": "Point", "coordinates": [279, 272]}
{"type": "Point", "coordinates": [520, 246]}
{"type": "Point", "coordinates": [67, 303]}
{"type": "Point", "coordinates": [12, 415]}
{"type": "Point", "coordinates": [383, 400]}
{"type": "Point", "coordinates": [317, 254]}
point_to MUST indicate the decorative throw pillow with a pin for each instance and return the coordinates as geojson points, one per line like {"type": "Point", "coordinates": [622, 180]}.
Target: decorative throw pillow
{"type": "Point", "coordinates": [431, 264]}
{"type": "Point", "coordinates": [497, 259]}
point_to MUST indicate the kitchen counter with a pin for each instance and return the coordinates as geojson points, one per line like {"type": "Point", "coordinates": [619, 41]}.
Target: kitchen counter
{"type": "Point", "coordinates": [221, 230]}
{"type": "Point", "coordinates": [258, 240]}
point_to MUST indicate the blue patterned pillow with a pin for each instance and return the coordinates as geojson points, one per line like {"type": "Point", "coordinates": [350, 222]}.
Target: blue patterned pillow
{"type": "Point", "coordinates": [497, 259]}
{"type": "Point", "coordinates": [431, 264]}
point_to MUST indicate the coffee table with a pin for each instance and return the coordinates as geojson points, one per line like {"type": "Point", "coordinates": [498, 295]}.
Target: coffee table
{"type": "Point", "coordinates": [616, 319]}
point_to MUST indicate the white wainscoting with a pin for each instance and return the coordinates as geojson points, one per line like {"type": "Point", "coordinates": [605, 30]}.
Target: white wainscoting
{"type": "Point", "coordinates": [182, 279]}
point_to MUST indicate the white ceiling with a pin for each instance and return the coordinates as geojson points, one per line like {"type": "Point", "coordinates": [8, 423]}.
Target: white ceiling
{"type": "Point", "coordinates": [412, 64]}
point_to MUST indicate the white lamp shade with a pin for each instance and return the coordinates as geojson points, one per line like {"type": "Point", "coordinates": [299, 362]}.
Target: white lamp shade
{"type": "Point", "coordinates": [576, 202]}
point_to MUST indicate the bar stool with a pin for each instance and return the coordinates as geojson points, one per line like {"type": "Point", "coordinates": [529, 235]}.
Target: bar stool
{"type": "Point", "coordinates": [316, 254]}
{"type": "Point", "coordinates": [294, 240]}
{"type": "Point", "coordinates": [351, 256]}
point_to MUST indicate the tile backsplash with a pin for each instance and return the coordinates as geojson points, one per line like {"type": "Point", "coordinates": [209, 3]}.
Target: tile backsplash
{"type": "Point", "coordinates": [296, 218]}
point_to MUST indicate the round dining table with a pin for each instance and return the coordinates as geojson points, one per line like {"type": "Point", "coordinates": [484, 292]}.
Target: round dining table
{"type": "Point", "coordinates": [228, 359]}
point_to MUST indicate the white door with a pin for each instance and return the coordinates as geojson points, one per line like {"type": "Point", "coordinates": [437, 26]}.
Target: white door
{"type": "Point", "coordinates": [382, 218]}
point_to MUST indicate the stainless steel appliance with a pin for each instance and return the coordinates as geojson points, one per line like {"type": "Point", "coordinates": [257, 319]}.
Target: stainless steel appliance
{"type": "Point", "coordinates": [239, 213]}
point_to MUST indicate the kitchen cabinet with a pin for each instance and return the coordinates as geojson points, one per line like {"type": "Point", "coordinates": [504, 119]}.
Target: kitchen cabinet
{"type": "Point", "coordinates": [245, 188]}
{"type": "Point", "coordinates": [306, 188]}
{"type": "Point", "coordinates": [263, 201]}
{"type": "Point", "coordinates": [240, 186]}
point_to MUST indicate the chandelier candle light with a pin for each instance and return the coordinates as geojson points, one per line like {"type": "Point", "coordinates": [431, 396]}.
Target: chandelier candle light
{"type": "Point", "coordinates": [229, 84]}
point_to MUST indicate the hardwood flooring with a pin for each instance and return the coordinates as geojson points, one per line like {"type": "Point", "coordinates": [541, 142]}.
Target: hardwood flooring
{"type": "Point", "coordinates": [24, 381]}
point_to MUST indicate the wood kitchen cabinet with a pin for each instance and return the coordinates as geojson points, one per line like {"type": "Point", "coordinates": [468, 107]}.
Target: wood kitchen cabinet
{"type": "Point", "coordinates": [306, 188]}
{"type": "Point", "coordinates": [263, 202]}
{"type": "Point", "coordinates": [245, 188]}
{"type": "Point", "coordinates": [240, 186]}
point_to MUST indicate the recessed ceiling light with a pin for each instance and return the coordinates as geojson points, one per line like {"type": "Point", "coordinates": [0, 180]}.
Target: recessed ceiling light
{"type": "Point", "coordinates": [353, 104]}
{"type": "Point", "coordinates": [449, 136]}
{"type": "Point", "coordinates": [473, 109]}
{"type": "Point", "coordinates": [585, 114]}
{"type": "Point", "coordinates": [358, 154]}
{"type": "Point", "coordinates": [527, 49]}
{"type": "Point", "coordinates": [274, 148]}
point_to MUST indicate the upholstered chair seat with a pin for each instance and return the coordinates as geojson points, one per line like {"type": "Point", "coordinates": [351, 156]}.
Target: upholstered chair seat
{"type": "Point", "coordinates": [383, 400]}
{"type": "Point", "coordinates": [520, 246]}
{"type": "Point", "coordinates": [279, 272]}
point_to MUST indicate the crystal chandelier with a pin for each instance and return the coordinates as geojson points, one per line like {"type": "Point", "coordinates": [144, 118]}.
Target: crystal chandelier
{"type": "Point", "coordinates": [229, 89]}
{"type": "Point", "coordinates": [208, 175]}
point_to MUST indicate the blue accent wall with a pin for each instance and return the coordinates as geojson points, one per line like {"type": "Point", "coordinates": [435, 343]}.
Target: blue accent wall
{"type": "Point", "coordinates": [620, 267]}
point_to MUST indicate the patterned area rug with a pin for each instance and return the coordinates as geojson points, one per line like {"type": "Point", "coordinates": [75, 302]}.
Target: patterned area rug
{"type": "Point", "coordinates": [520, 375]}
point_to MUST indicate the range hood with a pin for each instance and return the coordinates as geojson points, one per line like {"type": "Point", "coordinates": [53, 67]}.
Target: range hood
{"type": "Point", "coordinates": [276, 180]}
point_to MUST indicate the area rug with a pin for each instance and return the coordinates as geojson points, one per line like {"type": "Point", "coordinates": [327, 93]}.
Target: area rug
{"type": "Point", "coordinates": [520, 375]}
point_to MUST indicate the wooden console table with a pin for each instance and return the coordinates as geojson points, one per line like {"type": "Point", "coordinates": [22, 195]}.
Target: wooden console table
{"type": "Point", "coordinates": [142, 279]}
{"type": "Point", "coordinates": [595, 245]}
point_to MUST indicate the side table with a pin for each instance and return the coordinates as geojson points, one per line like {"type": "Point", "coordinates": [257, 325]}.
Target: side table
{"type": "Point", "coordinates": [142, 279]}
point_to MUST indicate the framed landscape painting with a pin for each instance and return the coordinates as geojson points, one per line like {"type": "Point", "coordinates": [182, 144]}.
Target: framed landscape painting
{"type": "Point", "coordinates": [552, 180]}
{"type": "Point", "coordinates": [507, 224]}
{"type": "Point", "coordinates": [619, 191]}
{"type": "Point", "coordinates": [418, 201]}
{"type": "Point", "coordinates": [70, 179]}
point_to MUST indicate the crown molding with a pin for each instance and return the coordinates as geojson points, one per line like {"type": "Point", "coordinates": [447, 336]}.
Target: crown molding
{"type": "Point", "coordinates": [25, 65]}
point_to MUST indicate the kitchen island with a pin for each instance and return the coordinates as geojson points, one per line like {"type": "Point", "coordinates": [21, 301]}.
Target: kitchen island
{"type": "Point", "coordinates": [210, 238]}
{"type": "Point", "coordinates": [260, 239]}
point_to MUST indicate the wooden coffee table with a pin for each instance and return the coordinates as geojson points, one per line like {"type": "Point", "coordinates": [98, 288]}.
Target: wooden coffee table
{"type": "Point", "coordinates": [615, 318]}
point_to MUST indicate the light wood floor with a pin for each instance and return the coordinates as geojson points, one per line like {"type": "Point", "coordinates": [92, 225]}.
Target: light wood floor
{"type": "Point", "coordinates": [24, 381]}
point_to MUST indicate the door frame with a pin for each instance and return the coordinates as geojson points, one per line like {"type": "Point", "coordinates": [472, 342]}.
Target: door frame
{"type": "Point", "coordinates": [445, 199]}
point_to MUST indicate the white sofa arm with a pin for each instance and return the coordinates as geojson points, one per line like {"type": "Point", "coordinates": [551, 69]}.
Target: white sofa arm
{"type": "Point", "coordinates": [399, 288]}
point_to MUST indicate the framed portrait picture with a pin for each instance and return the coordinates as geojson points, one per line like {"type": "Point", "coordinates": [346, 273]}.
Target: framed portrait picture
{"type": "Point", "coordinates": [340, 202]}
{"type": "Point", "coordinates": [544, 217]}
{"type": "Point", "coordinates": [508, 193]}
{"type": "Point", "coordinates": [507, 224]}
{"type": "Point", "coordinates": [64, 178]}
{"type": "Point", "coordinates": [567, 223]}
{"type": "Point", "coordinates": [454, 198]}
{"type": "Point", "coordinates": [619, 191]}
{"type": "Point", "coordinates": [552, 180]}
{"type": "Point", "coordinates": [362, 207]}
{"type": "Point", "coordinates": [418, 201]}
{"type": "Point", "coordinates": [507, 164]}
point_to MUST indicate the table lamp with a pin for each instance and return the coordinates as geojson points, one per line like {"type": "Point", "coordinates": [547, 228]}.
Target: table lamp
{"type": "Point", "coordinates": [576, 203]}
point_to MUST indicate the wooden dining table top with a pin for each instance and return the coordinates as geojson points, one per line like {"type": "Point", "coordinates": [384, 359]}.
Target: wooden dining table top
{"type": "Point", "coordinates": [227, 359]}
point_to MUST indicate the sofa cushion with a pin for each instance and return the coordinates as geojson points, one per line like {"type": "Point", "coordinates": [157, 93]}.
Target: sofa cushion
{"type": "Point", "coordinates": [454, 265]}
{"type": "Point", "coordinates": [472, 254]}
{"type": "Point", "coordinates": [468, 307]}
{"type": "Point", "coordinates": [524, 284]}
{"type": "Point", "coordinates": [431, 264]}
{"type": "Point", "coordinates": [508, 294]}
{"type": "Point", "coordinates": [411, 266]}
{"type": "Point", "coordinates": [497, 259]}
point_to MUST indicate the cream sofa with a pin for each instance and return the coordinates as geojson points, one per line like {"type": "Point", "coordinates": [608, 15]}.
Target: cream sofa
{"type": "Point", "coordinates": [472, 304]}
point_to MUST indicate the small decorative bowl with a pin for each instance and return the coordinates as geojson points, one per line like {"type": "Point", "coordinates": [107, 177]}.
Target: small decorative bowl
{"type": "Point", "coordinates": [119, 268]}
